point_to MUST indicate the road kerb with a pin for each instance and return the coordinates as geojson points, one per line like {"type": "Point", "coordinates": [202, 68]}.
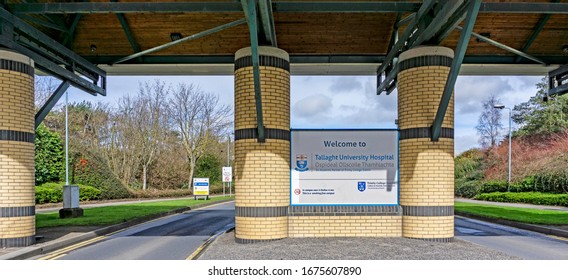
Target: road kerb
{"type": "Point", "coordinates": [530, 227]}
{"type": "Point", "coordinates": [49, 247]}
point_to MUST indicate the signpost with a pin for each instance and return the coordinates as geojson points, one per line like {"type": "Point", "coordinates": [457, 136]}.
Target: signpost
{"type": "Point", "coordinates": [227, 178]}
{"type": "Point", "coordinates": [201, 187]}
{"type": "Point", "coordinates": [344, 167]}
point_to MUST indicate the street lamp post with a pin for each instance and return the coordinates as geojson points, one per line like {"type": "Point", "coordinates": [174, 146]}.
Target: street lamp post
{"type": "Point", "coordinates": [509, 175]}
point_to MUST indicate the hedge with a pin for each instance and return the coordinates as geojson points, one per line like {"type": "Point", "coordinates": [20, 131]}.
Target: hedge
{"type": "Point", "coordinates": [467, 189]}
{"type": "Point", "coordinates": [53, 193]}
{"type": "Point", "coordinates": [90, 169]}
{"type": "Point", "coordinates": [526, 197]}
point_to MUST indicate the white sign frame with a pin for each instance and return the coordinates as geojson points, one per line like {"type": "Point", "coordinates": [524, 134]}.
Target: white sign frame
{"type": "Point", "coordinates": [368, 174]}
{"type": "Point", "coordinates": [200, 184]}
{"type": "Point", "coordinates": [227, 174]}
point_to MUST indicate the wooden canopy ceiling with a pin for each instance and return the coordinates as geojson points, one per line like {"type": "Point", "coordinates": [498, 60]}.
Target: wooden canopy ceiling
{"type": "Point", "coordinates": [306, 31]}
{"type": "Point", "coordinates": [80, 41]}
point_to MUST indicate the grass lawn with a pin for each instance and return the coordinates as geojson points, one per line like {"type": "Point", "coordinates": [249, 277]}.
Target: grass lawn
{"type": "Point", "coordinates": [524, 215]}
{"type": "Point", "coordinates": [108, 215]}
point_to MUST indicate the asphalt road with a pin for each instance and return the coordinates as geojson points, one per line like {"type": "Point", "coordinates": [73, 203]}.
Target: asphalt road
{"type": "Point", "coordinates": [177, 237]}
{"type": "Point", "coordinates": [516, 242]}
{"type": "Point", "coordinates": [171, 238]}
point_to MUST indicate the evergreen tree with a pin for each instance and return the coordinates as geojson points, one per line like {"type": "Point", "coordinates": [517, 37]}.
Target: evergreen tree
{"type": "Point", "coordinates": [537, 116]}
{"type": "Point", "coordinates": [49, 158]}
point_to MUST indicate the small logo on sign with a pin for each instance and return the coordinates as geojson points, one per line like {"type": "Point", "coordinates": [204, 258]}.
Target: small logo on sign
{"type": "Point", "coordinates": [301, 163]}
{"type": "Point", "coordinates": [362, 186]}
{"type": "Point", "coordinates": [297, 191]}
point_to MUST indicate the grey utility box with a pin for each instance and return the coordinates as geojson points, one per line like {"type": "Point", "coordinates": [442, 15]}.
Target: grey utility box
{"type": "Point", "coordinates": [70, 196]}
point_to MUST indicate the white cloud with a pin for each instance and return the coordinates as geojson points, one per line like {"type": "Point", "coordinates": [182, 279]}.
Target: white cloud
{"type": "Point", "coordinates": [355, 104]}
{"type": "Point", "coordinates": [345, 84]}
{"type": "Point", "coordinates": [350, 101]}
{"type": "Point", "coordinates": [314, 106]}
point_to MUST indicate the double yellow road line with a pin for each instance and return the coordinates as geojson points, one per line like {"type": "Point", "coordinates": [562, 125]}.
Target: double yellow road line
{"type": "Point", "coordinates": [62, 252]}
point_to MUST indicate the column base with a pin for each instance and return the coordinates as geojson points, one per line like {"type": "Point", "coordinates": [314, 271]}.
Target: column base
{"type": "Point", "coordinates": [70, 213]}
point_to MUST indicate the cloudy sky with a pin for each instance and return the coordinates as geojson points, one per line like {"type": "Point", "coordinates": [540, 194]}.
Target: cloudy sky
{"type": "Point", "coordinates": [351, 101]}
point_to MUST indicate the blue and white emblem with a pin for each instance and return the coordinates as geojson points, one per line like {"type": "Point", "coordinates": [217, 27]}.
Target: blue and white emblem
{"type": "Point", "coordinates": [301, 163]}
{"type": "Point", "coordinates": [362, 186]}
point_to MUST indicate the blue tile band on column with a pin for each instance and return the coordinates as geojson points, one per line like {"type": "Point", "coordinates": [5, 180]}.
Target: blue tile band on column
{"type": "Point", "coordinates": [421, 61]}
{"type": "Point", "coordinates": [264, 60]}
{"type": "Point", "coordinates": [258, 212]}
{"type": "Point", "coordinates": [252, 241]}
{"type": "Point", "coordinates": [427, 211]}
{"type": "Point", "coordinates": [424, 132]}
{"type": "Point", "coordinates": [441, 240]}
{"type": "Point", "coordinates": [345, 211]}
{"type": "Point", "coordinates": [270, 133]}
{"type": "Point", "coordinates": [19, 136]}
{"type": "Point", "coordinates": [16, 66]}
{"type": "Point", "coordinates": [22, 211]}
{"type": "Point", "coordinates": [17, 242]}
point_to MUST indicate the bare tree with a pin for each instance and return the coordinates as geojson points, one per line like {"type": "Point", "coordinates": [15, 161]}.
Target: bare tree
{"type": "Point", "coordinates": [138, 130]}
{"type": "Point", "coordinates": [489, 124]}
{"type": "Point", "coordinates": [44, 86]}
{"type": "Point", "coordinates": [121, 149]}
{"type": "Point", "coordinates": [199, 118]}
{"type": "Point", "coordinates": [151, 122]}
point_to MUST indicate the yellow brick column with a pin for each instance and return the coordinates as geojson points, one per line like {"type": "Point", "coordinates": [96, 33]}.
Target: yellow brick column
{"type": "Point", "coordinates": [17, 202]}
{"type": "Point", "coordinates": [262, 185]}
{"type": "Point", "coordinates": [426, 167]}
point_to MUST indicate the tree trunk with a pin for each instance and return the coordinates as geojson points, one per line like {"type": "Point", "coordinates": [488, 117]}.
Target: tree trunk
{"type": "Point", "coordinates": [144, 172]}
{"type": "Point", "coordinates": [191, 169]}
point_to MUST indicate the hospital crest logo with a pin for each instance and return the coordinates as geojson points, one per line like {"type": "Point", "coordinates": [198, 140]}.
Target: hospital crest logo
{"type": "Point", "coordinates": [361, 186]}
{"type": "Point", "coordinates": [301, 163]}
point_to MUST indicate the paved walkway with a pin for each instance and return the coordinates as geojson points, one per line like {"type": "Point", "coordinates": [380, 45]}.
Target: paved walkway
{"type": "Point", "coordinates": [519, 205]}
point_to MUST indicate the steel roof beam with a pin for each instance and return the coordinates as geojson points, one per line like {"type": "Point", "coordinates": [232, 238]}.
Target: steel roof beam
{"type": "Point", "coordinates": [396, 49]}
{"type": "Point", "coordinates": [346, 7]}
{"type": "Point", "coordinates": [128, 32]}
{"type": "Point", "coordinates": [44, 23]}
{"type": "Point", "coordinates": [394, 38]}
{"type": "Point", "coordinates": [249, 7]}
{"type": "Point", "coordinates": [311, 59]}
{"type": "Point", "coordinates": [504, 47]}
{"type": "Point", "coordinates": [537, 29]}
{"type": "Point", "coordinates": [68, 40]}
{"type": "Point", "coordinates": [451, 24]}
{"type": "Point", "coordinates": [281, 6]}
{"type": "Point", "coordinates": [56, 70]}
{"type": "Point", "coordinates": [50, 103]}
{"type": "Point", "coordinates": [267, 19]}
{"type": "Point", "coordinates": [124, 7]}
{"type": "Point", "coordinates": [405, 20]}
{"type": "Point", "coordinates": [54, 46]}
{"type": "Point", "coordinates": [524, 8]}
{"type": "Point", "coordinates": [188, 38]}
{"type": "Point", "coordinates": [226, 7]}
{"type": "Point", "coordinates": [461, 48]}
{"type": "Point", "coordinates": [441, 18]}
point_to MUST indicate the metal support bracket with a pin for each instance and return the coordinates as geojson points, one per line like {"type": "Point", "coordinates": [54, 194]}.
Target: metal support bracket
{"type": "Point", "coordinates": [389, 60]}
{"type": "Point", "coordinates": [265, 8]}
{"type": "Point", "coordinates": [50, 103]}
{"type": "Point", "coordinates": [49, 55]}
{"type": "Point", "coordinates": [465, 35]}
{"type": "Point", "coordinates": [249, 7]}
{"type": "Point", "coordinates": [184, 39]}
{"type": "Point", "coordinates": [558, 81]}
